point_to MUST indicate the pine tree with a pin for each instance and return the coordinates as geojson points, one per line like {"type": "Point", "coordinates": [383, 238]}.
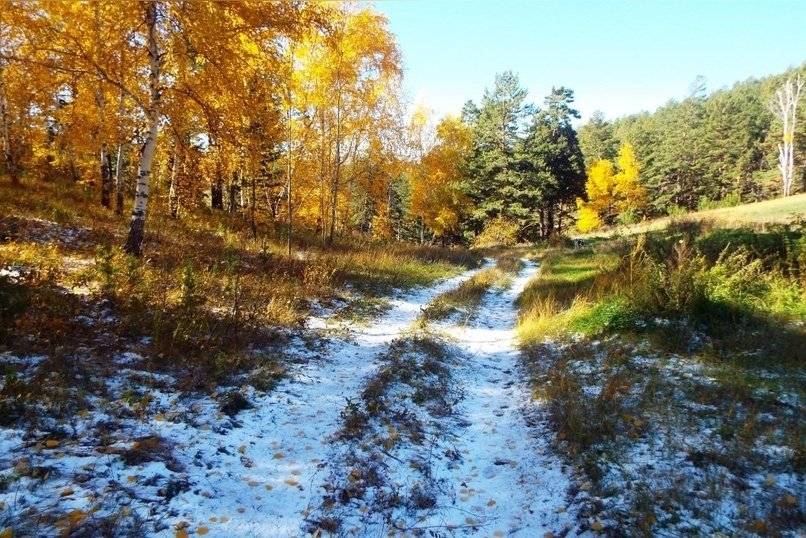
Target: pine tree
{"type": "Point", "coordinates": [494, 164]}
{"type": "Point", "coordinates": [596, 139]}
{"type": "Point", "coordinates": [552, 163]}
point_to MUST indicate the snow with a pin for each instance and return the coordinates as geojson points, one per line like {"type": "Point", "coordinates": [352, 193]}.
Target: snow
{"type": "Point", "coordinates": [482, 466]}
{"type": "Point", "coordinates": [503, 460]}
{"type": "Point", "coordinates": [154, 459]}
{"type": "Point", "coordinates": [256, 474]}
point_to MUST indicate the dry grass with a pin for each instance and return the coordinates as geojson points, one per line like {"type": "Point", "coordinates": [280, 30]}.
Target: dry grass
{"type": "Point", "coordinates": [759, 214]}
{"type": "Point", "coordinates": [465, 298]}
{"type": "Point", "coordinates": [685, 347]}
{"type": "Point", "coordinates": [568, 285]}
{"type": "Point", "coordinates": [206, 293]}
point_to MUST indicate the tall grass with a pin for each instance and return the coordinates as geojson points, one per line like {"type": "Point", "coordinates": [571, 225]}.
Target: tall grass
{"type": "Point", "coordinates": [723, 283]}
{"type": "Point", "coordinates": [466, 297]}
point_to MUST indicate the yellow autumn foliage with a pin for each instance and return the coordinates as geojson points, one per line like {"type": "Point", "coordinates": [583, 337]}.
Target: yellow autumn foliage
{"type": "Point", "coordinates": [611, 193]}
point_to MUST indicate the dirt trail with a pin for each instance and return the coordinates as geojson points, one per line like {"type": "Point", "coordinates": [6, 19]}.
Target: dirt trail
{"type": "Point", "coordinates": [265, 476]}
{"type": "Point", "coordinates": [506, 476]}
{"type": "Point", "coordinates": [450, 454]}
{"type": "Point", "coordinates": [450, 445]}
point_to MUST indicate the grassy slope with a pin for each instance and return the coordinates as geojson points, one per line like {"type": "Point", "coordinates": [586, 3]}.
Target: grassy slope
{"type": "Point", "coordinates": [674, 371]}
{"type": "Point", "coordinates": [777, 211]}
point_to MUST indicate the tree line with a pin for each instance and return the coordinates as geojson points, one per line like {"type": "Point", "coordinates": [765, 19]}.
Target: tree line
{"type": "Point", "coordinates": [706, 149]}
{"type": "Point", "coordinates": [505, 164]}
{"type": "Point", "coordinates": [290, 115]}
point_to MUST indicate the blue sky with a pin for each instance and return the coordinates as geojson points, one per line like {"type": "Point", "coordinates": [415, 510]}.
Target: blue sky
{"type": "Point", "coordinates": [618, 56]}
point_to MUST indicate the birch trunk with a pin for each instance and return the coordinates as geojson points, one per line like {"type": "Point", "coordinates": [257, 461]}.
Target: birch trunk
{"type": "Point", "coordinates": [9, 154]}
{"type": "Point", "coordinates": [134, 242]}
{"type": "Point", "coordinates": [334, 194]}
{"type": "Point", "coordinates": [217, 187]}
{"type": "Point", "coordinates": [290, 221]}
{"type": "Point", "coordinates": [173, 188]}
{"type": "Point", "coordinates": [785, 107]}
{"type": "Point", "coordinates": [119, 162]}
{"type": "Point", "coordinates": [106, 176]}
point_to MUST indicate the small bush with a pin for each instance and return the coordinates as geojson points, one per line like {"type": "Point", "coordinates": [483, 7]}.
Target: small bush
{"type": "Point", "coordinates": [13, 303]}
{"type": "Point", "coordinates": [498, 231]}
{"type": "Point", "coordinates": [674, 210]}
{"type": "Point", "coordinates": [613, 314]}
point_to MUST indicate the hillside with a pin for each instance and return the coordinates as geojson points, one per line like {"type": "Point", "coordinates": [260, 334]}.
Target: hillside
{"type": "Point", "coordinates": [763, 214]}
{"type": "Point", "coordinates": [219, 386]}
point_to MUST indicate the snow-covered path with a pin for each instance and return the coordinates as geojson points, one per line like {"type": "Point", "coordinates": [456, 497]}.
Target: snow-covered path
{"type": "Point", "coordinates": [506, 477]}
{"type": "Point", "coordinates": [177, 464]}
{"type": "Point", "coordinates": [470, 461]}
{"type": "Point", "coordinates": [265, 476]}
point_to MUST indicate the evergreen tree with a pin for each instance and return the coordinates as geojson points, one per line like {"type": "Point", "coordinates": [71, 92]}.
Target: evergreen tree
{"type": "Point", "coordinates": [552, 162]}
{"type": "Point", "coordinates": [494, 164]}
{"type": "Point", "coordinates": [596, 139]}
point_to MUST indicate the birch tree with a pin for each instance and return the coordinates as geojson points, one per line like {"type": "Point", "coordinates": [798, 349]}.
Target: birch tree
{"type": "Point", "coordinates": [134, 242]}
{"type": "Point", "coordinates": [784, 106]}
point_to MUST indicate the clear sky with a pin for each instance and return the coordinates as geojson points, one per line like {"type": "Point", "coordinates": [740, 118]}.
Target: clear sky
{"type": "Point", "coordinates": [618, 56]}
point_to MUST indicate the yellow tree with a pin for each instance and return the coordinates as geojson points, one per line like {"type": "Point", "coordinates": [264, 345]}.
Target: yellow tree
{"type": "Point", "coordinates": [9, 41]}
{"type": "Point", "coordinates": [348, 74]}
{"type": "Point", "coordinates": [629, 192]}
{"type": "Point", "coordinates": [436, 195]}
{"type": "Point", "coordinates": [610, 193]}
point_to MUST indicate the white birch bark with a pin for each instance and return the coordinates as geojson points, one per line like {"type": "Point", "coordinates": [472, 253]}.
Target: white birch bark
{"type": "Point", "coordinates": [134, 242]}
{"type": "Point", "coordinates": [785, 107]}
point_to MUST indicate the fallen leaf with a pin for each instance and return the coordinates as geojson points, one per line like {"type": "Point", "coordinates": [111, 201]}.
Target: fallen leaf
{"type": "Point", "coordinates": [202, 530]}
{"type": "Point", "coordinates": [597, 526]}
{"type": "Point", "coordinates": [67, 491]}
{"type": "Point", "coordinates": [76, 517]}
{"type": "Point", "coordinates": [181, 533]}
{"type": "Point", "coordinates": [491, 502]}
{"type": "Point", "coordinates": [224, 519]}
{"type": "Point", "coordinates": [8, 532]}
{"type": "Point", "coordinates": [355, 475]}
{"type": "Point", "coordinates": [242, 449]}
{"type": "Point", "coordinates": [51, 443]}
{"type": "Point", "coordinates": [278, 456]}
